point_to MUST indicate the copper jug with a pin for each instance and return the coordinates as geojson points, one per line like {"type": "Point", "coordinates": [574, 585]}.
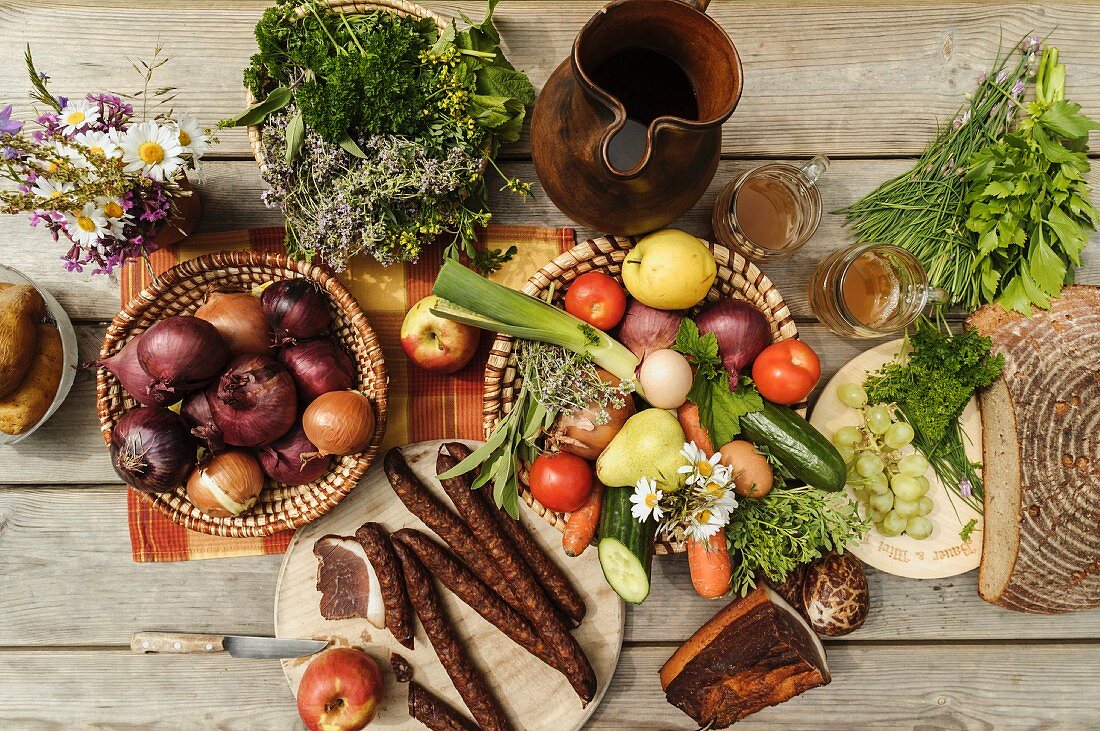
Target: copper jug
{"type": "Point", "coordinates": [661, 165]}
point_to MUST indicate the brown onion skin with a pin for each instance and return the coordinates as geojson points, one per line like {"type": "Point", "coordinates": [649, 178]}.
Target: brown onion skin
{"type": "Point", "coordinates": [332, 422]}
{"type": "Point", "coordinates": [126, 367]}
{"type": "Point", "coordinates": [254, 401]}
{"type": "Point", "coordinates": [297, 309]}
{"type": "Point", "coordinates": [198, 414]}
{"type": "Point", "coordinates": [570, 433]}
{"type": "Point", "coordinates": [742, 332]}
{"type": "Point", "coordinates": [282, 460]}
{"type": "Point", "coordinates": [644, 329]}
{"type": "Point", "coordinates": [317, 367]}
{"type": "Point", "coordinates": [181, 353]}
{"type": "Point", "coordinates": [236, 472]}
{"type": "Point", "coordinates": [152, 449]}
{"type": "Point", "coordinates": [240, 319]}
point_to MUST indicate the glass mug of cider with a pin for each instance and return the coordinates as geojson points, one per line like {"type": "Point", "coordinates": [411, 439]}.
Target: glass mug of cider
{"type": "Point", "coordinates": [868, 290]}
{"type": "Point", "coordinates": [769, 212]}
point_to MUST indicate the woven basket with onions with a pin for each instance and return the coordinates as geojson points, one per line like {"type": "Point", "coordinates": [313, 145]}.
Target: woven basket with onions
{"type": "Point", "coordinates": [737, 278]}
{"type": "Point", "coordinates": [180, 291]}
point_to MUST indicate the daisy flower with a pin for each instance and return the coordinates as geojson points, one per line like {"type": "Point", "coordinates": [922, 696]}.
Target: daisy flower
{"type": "Point", "coordinates": [88, 226]}
{"type": "Point", "coordinates": [153, 149]}
{"type": "Point", "coordinates": [704, 523]}
{"type": "Point", "coordinates": [78, 114]}
{"type": "Point", "coordinates": [46, 188]}
{"type": "Point", "coordinates": [191, 137]}
{"type": "Point", "coordinates": [700, 469]}
{"type": "Point", "coordinates": [115, 213]}
{"type": "Point", "coordinates": [646, 500]}
{"type": "Point", "coordinates": [99, 143]}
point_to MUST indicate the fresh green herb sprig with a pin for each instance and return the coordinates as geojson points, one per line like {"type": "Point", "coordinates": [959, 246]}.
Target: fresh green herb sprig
{"type": "Point", "coordinates": [775, 534]}
{"type": "Point", "coordinates": [1028, 200]}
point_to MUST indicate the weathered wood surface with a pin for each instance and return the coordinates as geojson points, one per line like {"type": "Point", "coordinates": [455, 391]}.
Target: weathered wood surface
{"type": "Point", "coordinates": [884, 687]}
{"type": "Point", "coordinates": [231, 200]}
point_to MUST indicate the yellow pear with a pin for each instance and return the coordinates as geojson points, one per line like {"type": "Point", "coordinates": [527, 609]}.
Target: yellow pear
{"type": "Point", "coordinates": [648, 445]}
{"type": "Point", "coordinates": [669, 269]}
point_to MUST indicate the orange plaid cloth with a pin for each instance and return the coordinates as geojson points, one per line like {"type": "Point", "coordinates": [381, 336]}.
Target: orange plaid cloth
{"type": "Point", "coordinates": [422, 405]}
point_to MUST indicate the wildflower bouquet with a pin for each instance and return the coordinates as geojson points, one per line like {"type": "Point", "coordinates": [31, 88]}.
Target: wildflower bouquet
{"type": "Point", "coordinates": [96, 175]}
{"type": "Point", "coordinates": [376, 130]}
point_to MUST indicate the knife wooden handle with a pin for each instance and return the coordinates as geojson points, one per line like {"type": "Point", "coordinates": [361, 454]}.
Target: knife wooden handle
{"type": "Point", "coordinates": [176, 642]}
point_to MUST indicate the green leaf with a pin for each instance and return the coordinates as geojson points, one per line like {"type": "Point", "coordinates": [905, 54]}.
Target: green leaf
{"type": "Point", "coordinates": [1053, 150]}
{"type": "Point", "coordinates": [505, 82]}
{"type": "Point", "coordinates": [1063, 118]}
{"type": "Point", "coordinates": [1013, 297]}
{"type": "Point", "coordinates": [1069, 232]}
{"type": "Point", "coordinates": [1046, 268]}
{"type": "Point", "coordinates": [352, 147]}
{"type": "Point", "coordinates": [279, 97]}
{"type": "Point", "coordinates": [295, 136]}
{"type": "Point", "coordinates": [998, 189]}
{"type": "Point", "coordinates": [701, 350]}
{"type": "Point", "coordinates": [1031, 289]}
{"type": "Point", "coordinates": [720, 409]}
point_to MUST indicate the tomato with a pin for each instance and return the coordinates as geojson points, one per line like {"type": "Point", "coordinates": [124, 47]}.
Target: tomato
{"type": "Point", "coordinates": [561, 481]}
{"type": "Point", "coordinates": [597, 299]}
{"type": "Point", "coordinates": [786, 372]}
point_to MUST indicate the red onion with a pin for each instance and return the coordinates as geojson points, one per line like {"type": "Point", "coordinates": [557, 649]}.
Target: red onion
{"type": "Point", "coordinates": [318, 366]}
{"type": "Point", "coordinates": [196, 410]}
{"type": "Point", "coordinates": [742, 332]}
{"type": "Point", "coordinates": [282, 460]}
{"type": "Point", "coordinates": [182, 354]}
{"type": "Point", "coordinates": [296, 308]}
{"type": "Point", "coordinates": [152, 449]}
{"type": "Point", "coordinates": [240, 320]}
{"type": "Point", "coordinates": [127, 369]}
{"type": "Point", "coordinates": [645, 329]}
{"type": "Point", "coordinates": [253, 402]}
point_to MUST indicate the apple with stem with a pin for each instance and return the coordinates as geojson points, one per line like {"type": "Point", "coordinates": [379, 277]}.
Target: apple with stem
{"type": "Point", "coordinates": [341, 690]}
{"type": "Point", "coordinates": [435, 343]}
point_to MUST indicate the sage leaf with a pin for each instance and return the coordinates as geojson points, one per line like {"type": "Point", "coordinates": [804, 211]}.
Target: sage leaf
{"type": "Point", "coordinates": [295, 136]}
{"type": "Point", "coordinates": [352, 147]}
{"type": "Point", "coordinates": [279, 97]}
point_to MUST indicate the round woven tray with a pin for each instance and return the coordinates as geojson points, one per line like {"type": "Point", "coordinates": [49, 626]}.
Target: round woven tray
{"type": "Point", "coordinates": [399, 7]}
{"type": "Point", "coordinates": [737, 277]}
{"type": "Point", "coordinates": [181, 290]}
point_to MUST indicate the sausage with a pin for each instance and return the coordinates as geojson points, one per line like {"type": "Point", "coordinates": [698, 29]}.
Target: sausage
{"type": "Point", "coordinates": [467, 679]}
{"type": "Point", "coordinates": [376, 542]}
{"type": "Point", "coordinates": [434, 712]}
{"type": "Point", "coordinates": [552, 579]}
{"type": "Point", "coordinates": [446, 524]}
{"type": "Point", "coordinates": [442, 564]}
{"type": "Point", "coordinates": [534, 605]}
{"type": "Point", "coordinates": [401, 668]}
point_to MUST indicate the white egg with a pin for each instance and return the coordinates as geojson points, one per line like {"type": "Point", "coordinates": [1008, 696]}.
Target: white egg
{"type": "Point", "coordinates": [665, 377]}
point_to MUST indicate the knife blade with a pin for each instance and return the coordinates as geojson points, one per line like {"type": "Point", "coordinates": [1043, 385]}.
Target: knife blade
{"type": "Point", "coordinates": [236, 645]}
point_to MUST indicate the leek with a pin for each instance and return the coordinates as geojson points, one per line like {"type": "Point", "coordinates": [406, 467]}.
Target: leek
{"type": "Point", "coordinates": [469, 298]}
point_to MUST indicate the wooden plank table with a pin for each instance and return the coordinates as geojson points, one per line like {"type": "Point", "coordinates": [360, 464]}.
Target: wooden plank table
{"type": "Point", "coordinates": [862, 82]}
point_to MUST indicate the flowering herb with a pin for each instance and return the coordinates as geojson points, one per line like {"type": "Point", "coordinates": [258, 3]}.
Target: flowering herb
{"type": "Point", "coordinates": [96, 175]}
{"type": "Point", "coordinates": [968, 529]}
{"type": "Point", "coordinates": [377, 129]}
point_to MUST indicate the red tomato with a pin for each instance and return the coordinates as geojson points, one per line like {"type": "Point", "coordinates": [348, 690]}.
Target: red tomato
{"type": "Point", "coordinates": [786, 372]}
{"type": "Point", "coordinates": [561, 481]}
{"type": "Point", "coordinates": [597, 299]}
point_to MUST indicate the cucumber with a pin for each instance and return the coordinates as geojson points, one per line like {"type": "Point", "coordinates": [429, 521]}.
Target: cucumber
{"type": "Point", "coordinates": [626, 546]}
{"type": "Point", "coordinates": [803, 450]}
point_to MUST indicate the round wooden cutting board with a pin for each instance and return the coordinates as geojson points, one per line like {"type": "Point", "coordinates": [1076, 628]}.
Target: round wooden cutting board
{"type": "Point", "coordinates": [532, 694]}
{"type": "Point", "coordinates": [943, 553]}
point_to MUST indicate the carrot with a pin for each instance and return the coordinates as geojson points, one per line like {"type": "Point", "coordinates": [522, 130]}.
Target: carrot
{"type": "Point", "coordinates": [694, 431]}
{"type": "Point", "coordinates": [710, 566]}
{"type": "Point", "coordinates": [581, 527]}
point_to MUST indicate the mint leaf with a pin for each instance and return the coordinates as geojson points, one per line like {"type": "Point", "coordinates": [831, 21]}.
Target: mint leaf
{"type": "Point", "coordinates": [721, 409]}
{"type": "Point", "coordinates": [701, 350]}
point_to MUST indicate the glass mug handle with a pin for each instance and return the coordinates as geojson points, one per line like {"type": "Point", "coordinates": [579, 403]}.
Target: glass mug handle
{"type": "Point", "coordinates": [814, 169]}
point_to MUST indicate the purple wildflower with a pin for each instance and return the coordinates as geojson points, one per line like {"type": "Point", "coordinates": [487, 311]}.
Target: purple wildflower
{"type": "Point", "coordinates": [965, 488]}
{"type": "Point", "coordinates": [7, 124]}
{"type": "Point", "coordinates": [1018, 89]}
{"type": "Point", "coordinates": [1002, 76]}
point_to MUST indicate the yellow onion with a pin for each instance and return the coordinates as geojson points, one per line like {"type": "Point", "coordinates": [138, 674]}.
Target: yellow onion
{"type": "Point", "coordinates": [339, 422]}
{"type": "Point", "coordinates": [580, 433]}
{"type": "Point", "coordinates": [240, 320]}
{"type": "Point", "coordinates": [227, 485]}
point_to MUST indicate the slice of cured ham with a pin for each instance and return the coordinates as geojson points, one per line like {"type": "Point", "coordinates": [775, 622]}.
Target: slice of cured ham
{"type": "Point", "coordinates": [347, 582]}
{"type": "Point", "coordinates": [1041, 449]}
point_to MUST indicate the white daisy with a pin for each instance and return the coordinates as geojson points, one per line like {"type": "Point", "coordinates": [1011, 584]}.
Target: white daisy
{"type": "Point", "coordinates": [646, 500]}
{"type": "Point", "coordinates": [49, 189]}
{"type": "Point", "coordinates": [700, 469]}
{"type": "Point", "coordinates": [704, 523]}
{"type": "Point", "coordinates": [152, 148]}
{"type": "Point", "coordinates": [116, 215]}
{"type": "Point", "coordinates": [720, 498]}
{"type": "Point", "coordinates": [88, 226]}
{"type": "Point", "coordinates": [78, 114]}
{"type": "Point", "coordinates": [99, 143]}
{"type": "Point", "coordinates": [191, 137]}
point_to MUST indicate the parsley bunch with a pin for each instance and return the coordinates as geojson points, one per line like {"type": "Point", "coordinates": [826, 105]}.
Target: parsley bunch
{"type": "Point", "coordinates": [1028, 200]}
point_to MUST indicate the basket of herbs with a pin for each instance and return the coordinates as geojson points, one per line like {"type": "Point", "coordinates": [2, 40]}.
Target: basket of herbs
{"type": "Point", "coordinates": [375, 124]}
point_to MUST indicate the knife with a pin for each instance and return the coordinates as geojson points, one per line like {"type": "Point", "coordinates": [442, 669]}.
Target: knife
{"type": "Point", "coordinates": [236, 645]}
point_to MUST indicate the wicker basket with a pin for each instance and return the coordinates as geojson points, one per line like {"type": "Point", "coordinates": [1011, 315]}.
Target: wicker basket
{"type": "Point", "coordinates": [737, 277]}
{"type": "Point", "coordinates": [399, 7]}
{"type": "Point", "coordinates": [181, 290]}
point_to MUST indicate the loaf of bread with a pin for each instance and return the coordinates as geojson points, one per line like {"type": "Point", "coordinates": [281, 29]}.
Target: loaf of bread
{"type": "Point", "coordinates": [1041, 452]}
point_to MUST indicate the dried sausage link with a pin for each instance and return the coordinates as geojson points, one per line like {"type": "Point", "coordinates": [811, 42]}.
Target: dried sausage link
{"type": "Point", "coordinates": [376, 542]}
{"type": "Point", "coordinates": [434, 712]}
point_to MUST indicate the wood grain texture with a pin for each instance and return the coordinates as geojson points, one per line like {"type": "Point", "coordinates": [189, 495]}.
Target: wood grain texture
{"type": "Point", "coordinates": [231, 200]}
{"type": "Point", "coordinates": [66, 578]}
{"type": "Point", "coordinates": [969, 687]}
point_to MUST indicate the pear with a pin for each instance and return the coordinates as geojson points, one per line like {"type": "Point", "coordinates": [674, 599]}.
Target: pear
{"type": "Point", "coordinates": [648, 445]}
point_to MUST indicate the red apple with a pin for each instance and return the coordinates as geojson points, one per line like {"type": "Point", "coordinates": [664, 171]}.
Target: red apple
{"type": "Point", "coordinates": [340, 690]}
{"type": "Point", "coordinates": [436, 343]}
